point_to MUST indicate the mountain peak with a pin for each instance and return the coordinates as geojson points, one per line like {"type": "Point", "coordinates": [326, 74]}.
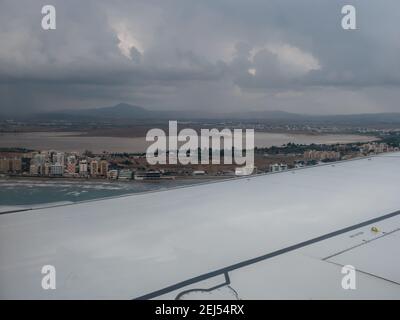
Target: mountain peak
{"type": "Point", "coordinates": [120, 110]}
{"type": "Point", "coordinates": [124, 106]}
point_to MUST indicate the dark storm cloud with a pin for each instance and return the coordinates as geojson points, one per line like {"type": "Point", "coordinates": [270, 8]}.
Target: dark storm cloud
{"type": "Point", "coordinates": [216, 55]}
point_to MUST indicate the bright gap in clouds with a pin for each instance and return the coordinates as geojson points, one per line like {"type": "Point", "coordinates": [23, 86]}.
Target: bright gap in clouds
{"type": "Point", "coordinates": [127, 41]}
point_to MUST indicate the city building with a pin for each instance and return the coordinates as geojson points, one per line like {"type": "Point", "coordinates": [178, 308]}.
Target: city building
{"type": "Point", "coordinates": [198, 173]}
{"type": "Point", "coordinates": [112, 174]}
{"type": "Point", "coordinates": [83, 168]}
{"type": "Point", "coordinates": [125, 174]}
{"type": "Point", "coordinates": [46, 168]}
{"type": "Point", "coordinates": [4, 165]}
{"type": "Point", "coordinates": [25, 163]}
{"type": "Point", "coordinates": [103, 168]}
{"type": "Point", "coordinates": [71, 167]}
{"type": "Point", "coordinates": [245, 171]}
{"type": "Point", "coordinates": [39, 159]}
{"type": "Point", "coordinates": [278, 167]}
{"type": "Point", "coordinates": [148, 175]}
{"type": "Point", "coordinates": [13, 165]}
{"type": "Point", "coordinates": [56, 169]}
{"type": "Point", "coordinates": [59, 158]}
{"type": "Point", "coordinates": [321, 155]}
{"type": "Point", "coordinates": [34, 169]}
{"type": "Point", "coordinates": [94, 168]}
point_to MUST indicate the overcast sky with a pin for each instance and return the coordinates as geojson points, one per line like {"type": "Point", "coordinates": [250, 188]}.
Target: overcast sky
{"type": "Point", "coordinates": [213, 55]}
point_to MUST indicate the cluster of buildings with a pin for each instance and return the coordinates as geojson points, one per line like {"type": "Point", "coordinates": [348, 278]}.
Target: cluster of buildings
{"type": "Point", "coordinates": [60, 164]}
{"type": "Point", "coordinates": [52, 163]}
{"type": "Point", "coordinates": [313, 157]}
{"type": "Point", "coordinates": [321, 155]}
{"type": "Point", "coordinates": [12, 164]}
{"type": "Point", "coordinates": [376, 147]}
{"type": "Point", "coordinates": [277, 167]}
{"type": "Point", "coordinates": [127, 166]}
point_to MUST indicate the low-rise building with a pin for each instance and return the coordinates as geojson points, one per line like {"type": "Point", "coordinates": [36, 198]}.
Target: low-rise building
{"type": "Point", "coordinates": [94, 168]}
{"type": "Point", "coordinates": [244, 171]}
{"type": "Point", "coordinates": [125, 174]}
{"type": "Point", "coordinates": [199, 173]}
{"type": "Point", "coordinates": [56, 170]}
{"type": "Point", "coordinates": [112, 174]}
{"type": "Point", "coordinates": [83, 168]}
{"type": "Point", "coordinates": [34, 169]}
{"type": "Point", "coordinates": [278, 167]}
{"type": "Point", "coordinates": [4, 165]}
{"type": "Point", "coordinates": [103, 168]}
{"type": "Point", "coordinates": [12, 165]}
{"type": "Point", "coordinates": [321, 155]}
{"type": "Point", "coordinates": [148, 175]}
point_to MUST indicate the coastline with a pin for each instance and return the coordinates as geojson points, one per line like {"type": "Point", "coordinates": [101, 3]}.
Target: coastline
{"type": "Point", "coordinates": [68, 141]}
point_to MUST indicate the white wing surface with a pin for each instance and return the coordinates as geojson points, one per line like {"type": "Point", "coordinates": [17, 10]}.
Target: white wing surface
{"type": "Point", "coordinates": [285, 235]}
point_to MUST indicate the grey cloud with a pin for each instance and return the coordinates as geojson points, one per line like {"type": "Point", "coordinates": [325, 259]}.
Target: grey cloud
{"type": "Point", "coordinates": [218, 55]}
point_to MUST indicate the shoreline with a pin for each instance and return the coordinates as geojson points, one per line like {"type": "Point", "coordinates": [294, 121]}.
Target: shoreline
{"type": "Point", "coordinates": [77, 179]}
{"type": "Point", "coordinates": [75, 142]}
{"type": "Point", "coordinates": [121, 134]}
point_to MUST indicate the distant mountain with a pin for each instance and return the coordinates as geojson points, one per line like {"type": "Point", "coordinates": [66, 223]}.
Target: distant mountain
{"type": "Point", "coordinates": [121, 110]}
{"type": "Point", "coordinates": [126, 113]}
{"type": "Point", "coordinates": [362, 119]}
{"type": "Point", "coordinates": [348, 119]}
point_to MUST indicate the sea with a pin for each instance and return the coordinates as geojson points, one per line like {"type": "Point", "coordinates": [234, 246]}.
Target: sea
{"type": "Point", "coordinates": [27, 192]}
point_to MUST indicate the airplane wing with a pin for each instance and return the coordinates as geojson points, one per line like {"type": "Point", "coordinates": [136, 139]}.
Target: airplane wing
{"type": "Point", "coordinates": [284, 235]}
